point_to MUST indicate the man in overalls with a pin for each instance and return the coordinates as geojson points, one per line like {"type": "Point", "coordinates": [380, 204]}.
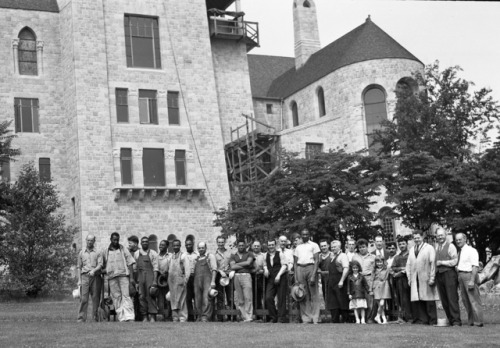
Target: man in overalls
{"type": "Point", "coordinates": [147, 271]}
{"type": "Point", "coordinates": [205, 271]}
{"type": "Point", "coordinates": [177, 280]}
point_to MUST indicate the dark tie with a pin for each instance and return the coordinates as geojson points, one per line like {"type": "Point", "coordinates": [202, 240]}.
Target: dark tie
{"type": "Point", "coordinates": [417, 250]}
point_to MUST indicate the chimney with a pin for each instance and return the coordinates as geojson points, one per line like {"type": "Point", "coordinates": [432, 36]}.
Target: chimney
{"type": "Point", "coordinates": [305, 22]}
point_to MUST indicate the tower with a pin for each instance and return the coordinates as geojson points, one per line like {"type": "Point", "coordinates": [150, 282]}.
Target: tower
{"type": "Point", "coordinates": [305, 22]}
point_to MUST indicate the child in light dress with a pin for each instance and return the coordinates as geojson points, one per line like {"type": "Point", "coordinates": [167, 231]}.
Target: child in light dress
{"type": "Point", "coordinates": [380, 288]}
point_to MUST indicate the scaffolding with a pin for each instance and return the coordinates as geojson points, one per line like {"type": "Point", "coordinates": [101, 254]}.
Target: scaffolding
{"type": "Point", "coordinates": [251, 155]}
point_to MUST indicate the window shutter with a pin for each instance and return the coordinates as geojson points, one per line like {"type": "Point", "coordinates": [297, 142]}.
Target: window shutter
{"type": "Point", "coordinates": [128, 42]}
{"type": "Point", "coordinates": [36, 118]}
{"type": "Point", "coordinates": [17, 112]}
{"type": "Point", "coordinates": [143, 110]}
{"type": "Point", "coordinates": [153, 111]}
{"type": "Point", "coordinates": [126, 166]}
{"type": "Point", "coordinates": [44, 169]}
{"type": "Point", "coordinates": [180, 167]}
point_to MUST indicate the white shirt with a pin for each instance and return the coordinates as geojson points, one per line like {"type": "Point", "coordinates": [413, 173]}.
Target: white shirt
{"type": "Point", "coordinates": [349, 255]}
{"type": "Point", "coordinates": [289, 258]}
{"type": "Point", "coordinates": [467, 259]}
{"type": "Point", "coordinates": [305, 252]}
{"type": "Point", "coordinates": [389, 261]}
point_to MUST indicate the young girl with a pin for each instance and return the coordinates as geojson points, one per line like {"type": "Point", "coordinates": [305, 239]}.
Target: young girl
{"type": "Point", "coordinates": [380, 288]}
{"type": "Point", "coordinates": [357, 288]}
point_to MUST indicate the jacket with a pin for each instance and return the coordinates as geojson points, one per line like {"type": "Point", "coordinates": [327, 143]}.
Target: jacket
{"type": "Point", "coordinates": [357, 287]}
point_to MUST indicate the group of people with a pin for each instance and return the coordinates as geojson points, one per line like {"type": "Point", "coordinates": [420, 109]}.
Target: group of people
{"type": "Point", "coordinates": [143, 284]}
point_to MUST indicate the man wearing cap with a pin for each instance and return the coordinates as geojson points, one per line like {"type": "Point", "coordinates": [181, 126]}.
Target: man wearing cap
{"type": "Point", "coordinates": [147, 274]}
{"type": "Point", "coordinates": [205, 271]}
{"type": "Point", "coordinates": [118, 264]}
{"type": "Point", "coordinates": [178, 274]}
{"type": "Point", "coordinates": [468, 265]}
{"type": "Point", "coordinates": [242, 263]}
{"type": "Point", "coordinates": [275, 267]}
{"type": "Point", "coordinates": [223, 256]}
{"type": "Point", "coordinates": [446, 277]}
{"type": "Point", "coordinates": [89, 266]}
{"type": "Point", "coordinates": [163, 264]}
{"type": "Point", "coordinates": [306, 261]}
{"type": "Point", "coordinates": [367, 262]}
{"type": "Point", "coordinates": [133, 246]}
{"type": "Point", "coordinates": [191, 256]}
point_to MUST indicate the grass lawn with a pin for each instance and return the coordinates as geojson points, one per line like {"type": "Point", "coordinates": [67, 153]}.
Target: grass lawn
{"type": "Point", "coordinates": [53, 324]}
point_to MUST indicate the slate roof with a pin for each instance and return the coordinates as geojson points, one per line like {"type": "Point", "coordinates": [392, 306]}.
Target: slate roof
{"type": "Point", "coordinates": [31, 5]}
{"type": "Point", "coordinates": [366, 42]}
{"type": "Point", "coordinates": [264, 70]}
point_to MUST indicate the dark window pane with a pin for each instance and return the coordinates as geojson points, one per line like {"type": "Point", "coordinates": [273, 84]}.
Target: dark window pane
{"type": "Point", "coordinates": [17, 112]}
{"type": "Point", "coordinates": [126, 166]}
{"type": "Point", "coordinates": [321, 102]}
{"type": "Point", "coordinates": [173, 108]}
{"type": "Point", "coordinates": [122, 104]}
{"type": "Point", "coordinates": [153, 111]}
{"type": "Point", "coordinates": [313, 149]}
{"type": "Point", "coordinates": [147, 93]}
{"type": "Point", "coordinates": [5, 171]}
{"type": "Point", "coordinates": [26, 115]}
{"type": "Point", "coordinates": [269, 108]}
{"type": "Point", "coordinates": [27, 118]}
{"type": "Point", "coordinates": [180, 167]}
{"type": "Point", "coordinates": [26, 53]}
{"type": "Point", "coordinates": [27, 34]}
{"type": "Point", "coordinates": [148, 108]}
{"type": "Point", "coordinates": [142, 42]}
{"type": "Point", "coordinates": [153, 164]}
{"type": "Point", "coordinates": [142, 52]}
{"type": "Point", "coordinates": [375, 113]}
{"type": "Point", "coordinates": [143, 110]}
{"type": "Point", "coordinates": [44, 169]}
{"type": "Point", "coordinates": [295, 114]}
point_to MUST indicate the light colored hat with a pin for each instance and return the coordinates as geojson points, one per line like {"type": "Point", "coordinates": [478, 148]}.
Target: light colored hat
{"type": "Point", "coordinates": [224, 281]}
{"type": "Point", "coordinates": [298, 292]}
{"type": "Point", "coordinates": [163, 281]}
{"type": "Point", "coordinates": [167, 296]}
{"type": "Point", "coordinates": [76, 293]}
{"type": "Point", "coordinates": [442, 322]}
{"type": "Point", "coordinates": [213, 293]}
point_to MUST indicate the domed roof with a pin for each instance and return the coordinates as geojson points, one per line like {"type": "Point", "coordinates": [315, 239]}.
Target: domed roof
{"type": "Point", "coordinates": [366, 42]}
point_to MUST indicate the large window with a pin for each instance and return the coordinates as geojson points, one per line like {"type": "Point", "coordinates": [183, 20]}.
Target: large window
{"type": "Point", "coordinates": [153, 165]}
{"type": "Point", "coordinates": [295, 114]}
{"type": "Point", "coordinates": [321, 102]}
{"type": "Point", "coordinates": [126, 166]}
{"type": "Point", "coordinates": [44, 169]}
{"type": "Point", "coordinates": [387, 217]}
{"type": "Point", "coordinates": [122, 105]}
{"type": "Point", "coordinates": [180, 167]}
{"type": "Point", "coordinates": [142, 42]}
{"type": "Point", "coordinates": [148, 107]}
{"type": "Point", "coordinates": [375, 113]}
{"type": "Point", "coordinates": [26, 115]}
{"type": "Point", "coordinates": [173, 108]}
{"type": "Point", "coordinates": [313, 149]}
{"type": "Point", "coordinates": [27, 52]}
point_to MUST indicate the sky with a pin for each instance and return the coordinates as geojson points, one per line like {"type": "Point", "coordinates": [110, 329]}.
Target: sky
{"type": "Point", "coordinates": [453, 32]}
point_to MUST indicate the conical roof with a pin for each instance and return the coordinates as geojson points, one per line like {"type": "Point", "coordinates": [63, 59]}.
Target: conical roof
{"type": "Point", "coordinates": [366, 42]}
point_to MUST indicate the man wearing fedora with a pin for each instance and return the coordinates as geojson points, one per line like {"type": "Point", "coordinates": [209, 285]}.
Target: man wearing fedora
{"type": "Point", "coordinates": [446, 277]}
{"type": "Point", "coordinates": [147, 273]}
{"type": "Point", "coordinates": [306, 261]}
{"type": "Point", "coordinates": [205, 271]}
{"type": "Point", "coordinates": [275, 267]}
{"type": "Point", "coordinates": [89, 266]}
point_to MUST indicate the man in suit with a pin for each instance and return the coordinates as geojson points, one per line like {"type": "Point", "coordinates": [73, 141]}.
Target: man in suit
{"type": "Point", "coordinates": [380, 249]}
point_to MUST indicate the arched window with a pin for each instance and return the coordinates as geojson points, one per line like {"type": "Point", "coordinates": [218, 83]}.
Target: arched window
{"type": "Point", "coordinates": [375, 113]}
{"type": "Point", "coordinates": [387, 216]}
{"type": "Point", "coordinates": [27, 52]}
{"type": "Point", "coordinates": [307, 3]}
{"type": "Point", "coordinates": [295, 114]}
{"type": "Point", "coordinates": [321, 102]}
{"type": "Point", "coordinates": [153, 242]}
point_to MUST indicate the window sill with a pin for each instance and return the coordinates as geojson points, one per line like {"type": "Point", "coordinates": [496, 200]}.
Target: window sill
{"type": "Point", "coordinates": [158, 193]}
{"type": "Point", "coordinates": [139, 69]}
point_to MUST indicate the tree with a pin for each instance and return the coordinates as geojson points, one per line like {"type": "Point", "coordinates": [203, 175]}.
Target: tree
{"type": "Point", "coordinates": [35, 243]}
{"type": "Point", "coordinates": [329, 194]}
{"type": "Point", "coordinates": [433, 174]}
{"type": "Point", "coordinates": [7, 154]}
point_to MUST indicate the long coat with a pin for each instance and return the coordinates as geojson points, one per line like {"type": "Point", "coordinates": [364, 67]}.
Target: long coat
{"type": "Point", "coordinates": [422, 267]}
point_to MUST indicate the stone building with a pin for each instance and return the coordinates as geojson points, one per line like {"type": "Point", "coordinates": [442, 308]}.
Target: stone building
{"type": "Point", "coordinates": [128, 105]}
{"type": "Point", "coordinates": [332, 97]}
{"type": "Point", "coordinates": [123, 105]}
